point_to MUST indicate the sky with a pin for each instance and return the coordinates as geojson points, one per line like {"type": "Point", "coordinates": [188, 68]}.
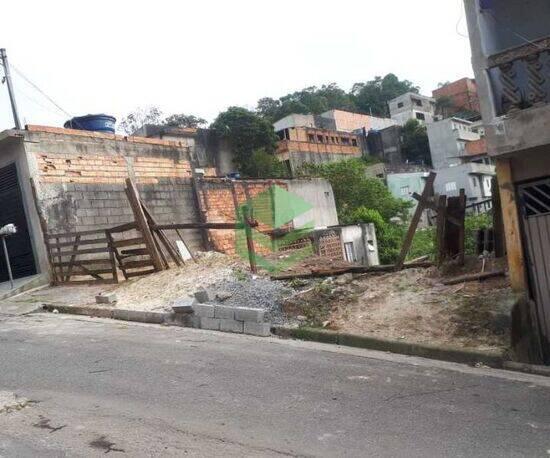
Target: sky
{"type": "Point", "coordinates": [200, 57]}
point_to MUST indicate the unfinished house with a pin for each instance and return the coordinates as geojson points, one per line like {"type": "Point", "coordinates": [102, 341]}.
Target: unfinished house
{"type": "Point", "coordinates": [298, 146]}
{"type": "Point", "coordinates": [412, 106]}
{"type": "Point", "coordinates": [462, 99]}
{"type": "Point", "coordinates": [510, 43]}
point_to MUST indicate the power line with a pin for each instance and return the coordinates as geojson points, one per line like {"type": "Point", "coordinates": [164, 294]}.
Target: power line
{"type": "Point", "coordinates": [20, 73]}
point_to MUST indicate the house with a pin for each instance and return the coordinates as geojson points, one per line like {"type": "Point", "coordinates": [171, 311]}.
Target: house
{"type": "Point", "coordinates": [404, 184]}
{"type": "Point", "coordinates": [412, 106]}
{"type": "Point", "coordinates": [385, 144]}
{"type": "Point", "coordinates": [298, 146]}
{"type": "Point", "coordinates": [206, 148]}
{"type": "Point", "coordinates": [510, 41]}
{"type": "Point", "coordinates": [462, 96]}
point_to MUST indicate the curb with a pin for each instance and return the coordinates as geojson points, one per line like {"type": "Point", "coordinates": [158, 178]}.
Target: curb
{"type": "Point", "coordinates": [528, 368]}
{"type": "Point", "coordinates": [115, 314]}
{"type": "Point", "coordinates": [457, 355]}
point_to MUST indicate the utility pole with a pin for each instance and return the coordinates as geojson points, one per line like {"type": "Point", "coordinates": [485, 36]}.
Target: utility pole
{"type": "Point", "coordinates": [7, 78]}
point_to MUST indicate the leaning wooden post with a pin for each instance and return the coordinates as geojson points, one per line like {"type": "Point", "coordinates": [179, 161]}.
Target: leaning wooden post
{"type": "Point", "coordinates": [249, 239]}
{"type": "Point", "coordinates": [462, 228]}
{"type": "Point", "coordinates": [142, 224]}
{"type": "Point", "coordinates": [427, 192]}
{"type": "Point", "coordinates": [441, 216]}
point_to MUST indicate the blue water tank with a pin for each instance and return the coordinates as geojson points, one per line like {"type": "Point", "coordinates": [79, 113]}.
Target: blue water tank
{"type": "Point", "coordinates": [96, 122]}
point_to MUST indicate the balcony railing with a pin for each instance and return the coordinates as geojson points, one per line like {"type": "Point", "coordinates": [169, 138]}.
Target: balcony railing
{"type": "Point", "coordinates": [520, 77]}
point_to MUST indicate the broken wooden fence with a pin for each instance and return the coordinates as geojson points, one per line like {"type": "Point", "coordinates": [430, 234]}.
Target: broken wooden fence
{"type": "Point", "coordinates": [81, 257]}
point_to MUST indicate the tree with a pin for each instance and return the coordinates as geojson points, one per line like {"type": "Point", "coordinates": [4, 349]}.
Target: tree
{"type": "Point", "coordinates": [309, 100]}
{"type": "Point", "coordinates": [365, 200]}
{"type": "Point", "coordinates": [265, 165]}
{"type": "Point", "coordinates": [415, 144]}
{"type": "Point", "coordinates": [373, 96]}
{"type": "Point", "coordinates": [246, 132]}
{"type": "Point", "coordinates": [183, 120]}
{"type": "Point", "coordinates": [139, 117]}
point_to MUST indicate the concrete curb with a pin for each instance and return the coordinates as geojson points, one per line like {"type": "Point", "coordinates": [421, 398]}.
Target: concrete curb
{"type": "Point", "coordinates": [115, 314]}
{"type": "Point", "coordinates": [528, 368]}
{"type": "Point", "coordinates": [457, 355]}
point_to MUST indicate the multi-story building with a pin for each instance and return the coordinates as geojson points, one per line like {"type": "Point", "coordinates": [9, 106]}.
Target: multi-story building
{"type": "Point", "coordinates": [462, 95]}
{"type": "Point", "coordinates": [298, 146]}
{"type": "Point", "coordinates": [412, 106]}
{"type": "Point", "coordinates": [510, 43]}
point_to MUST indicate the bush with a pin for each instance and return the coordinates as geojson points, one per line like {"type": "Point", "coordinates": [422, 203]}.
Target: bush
{"type": "Point", "coordinates": [472, 224]}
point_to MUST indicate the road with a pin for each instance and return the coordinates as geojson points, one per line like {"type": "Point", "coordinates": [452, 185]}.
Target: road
{"type": "Point", "coordinates": [99, 387]}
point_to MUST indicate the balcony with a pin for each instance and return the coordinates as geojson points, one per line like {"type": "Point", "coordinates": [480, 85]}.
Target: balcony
{"type": "Point", "coordinates": [520, 77]}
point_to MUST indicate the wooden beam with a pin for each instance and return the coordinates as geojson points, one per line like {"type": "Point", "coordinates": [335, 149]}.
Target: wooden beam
{"type": "Point", "coordinates": [510, 218]}
{"type": "Point", "coordinates": [143, 225]}
{"type": "Point", "coordinates": [427, 192]}
{"type": "Point", "coordinates": [440, 229]}
{"type": "Point", "coordinates": [473, 277]}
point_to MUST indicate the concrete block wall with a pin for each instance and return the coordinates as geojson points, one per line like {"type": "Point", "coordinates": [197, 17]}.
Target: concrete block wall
{"type": "Point", "coordinates": [231, 319]}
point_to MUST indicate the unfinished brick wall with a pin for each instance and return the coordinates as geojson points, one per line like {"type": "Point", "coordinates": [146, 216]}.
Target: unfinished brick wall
{"type": "Point", "coordinates": [218, 201]}
{"type": "Point", "coordinates": [80, 180]}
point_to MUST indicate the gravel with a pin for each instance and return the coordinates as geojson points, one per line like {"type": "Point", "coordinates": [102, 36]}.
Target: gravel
{"type": "Point", "coordinates": [255, 293]}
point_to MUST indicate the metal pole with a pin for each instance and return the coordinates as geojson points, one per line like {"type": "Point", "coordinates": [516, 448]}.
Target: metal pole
{"type": "Point", "coordinates": [7, 261]}
{"type": "Point", "coordinates": [7, 76]}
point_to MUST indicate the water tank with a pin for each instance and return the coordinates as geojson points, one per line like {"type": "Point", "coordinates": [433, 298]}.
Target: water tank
{"type": "Point", "coordinates": [96, 122]}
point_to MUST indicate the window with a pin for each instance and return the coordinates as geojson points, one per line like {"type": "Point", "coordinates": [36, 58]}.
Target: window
{"type": "Point", "coordinates": [320, 138]}
{"type": "Point", "coordinates": [332, 140]}
{"type": "Point", "coordinates": [354, 142]}
{"type": "Point", "coordinates": [417, 102]}
{"type": "Point", "coordinates": [349, 251]}
{"type": "Point", "coordinates": [450, 186]}
{"type": "Point", "coordinates": [287, 134]}
{"type": "Point", "coordinates": [404, 190]}
{"type": "Point", "coordinates": [345, 140]}
{"type": "Point", "coordinates": [420, 116]}
{"type": "Point", "coordinates": [399, 104]}
{"type": "Point", "coordinates": [311, 137]}
{"type": "Point", "coordinates": [474, 182]}
{"type": "Point", "coordinates": [281, 134]}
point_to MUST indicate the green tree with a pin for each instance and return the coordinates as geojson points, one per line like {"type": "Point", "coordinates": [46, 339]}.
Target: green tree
{"type": "Point", "coordinates": [444, 106]}
{"type": "Point", "coordinates": [415, 144]}
{"type": "Point", "coordinates": [246, 132]}
{"type": "Point", "coordinates": [183, 120]}
{"type": "Point", "coordinates": [373, 96]}
{"type": "Point", "coordinates": [265, 165]}
{"type": "Point", "coordinates": [309, 100]}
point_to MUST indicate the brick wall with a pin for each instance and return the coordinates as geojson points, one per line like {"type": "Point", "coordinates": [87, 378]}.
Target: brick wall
{"type": "Point", "coordinates": [218, 202]}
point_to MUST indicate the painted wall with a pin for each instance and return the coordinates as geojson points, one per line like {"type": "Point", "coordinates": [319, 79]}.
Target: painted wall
{"type": "Point", "coordinates": [318, 193]}
{"type": "Point", "coordinates": [447, 141]}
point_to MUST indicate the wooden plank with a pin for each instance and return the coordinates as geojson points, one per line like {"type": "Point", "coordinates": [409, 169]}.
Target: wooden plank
{"type": "Point", "coordinates": [134, 252]}
{"type": "Point", "coordinates": [462, 228]}
{"type": "Point", "coordinates": [140, 273]}
{"type": "Point", "coordinates": [512, 234]}
{"type": "Point", "coordinates": [73, 257]}
{"type": "Point", "coordinates": [81, 242]}
{"type": "Point", "coordinates": [112, 256]}
{"type": "Point", "coordinates": [103, 281]}
{"type": "Point", "coordinates": [87, 261]}
{"type": "Point", "coordinates": [428, 190]}
{"type": "Point", "coordinates": [498, 225]}
{"type": "Point", "coordinates": [163, 239]}
{"type": "Point", "coordinates": [104, 249]}
{"type": "Point", "coordinates": [186, 246]}
{"type": "Point", "coordinates": [197, 188]}
{"type": "Point", "coordinates": [473, 277]}
{"type": "Point", "coordinates": [199, 226]}
{"type": "Point", "coordinates": [137, 264]}
{"type": "Point", "coordinates": [82, 270]}
{"type": "Point", "coordinates": [249, 240]}
{"type": "Point", "coordinates": [128, 242]}
{"type": "Point", "coordinates": [123, 227]}
{"type": "Point", "coordinates": [440, 229]}
{"type": "Point", "coordinates": [74, 234]}
{"type": "Point", "coordinates": [143, 225]}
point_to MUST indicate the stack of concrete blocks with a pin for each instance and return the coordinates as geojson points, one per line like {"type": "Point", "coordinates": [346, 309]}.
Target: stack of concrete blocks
{"type": "Point", "coordinates": [197, 312]}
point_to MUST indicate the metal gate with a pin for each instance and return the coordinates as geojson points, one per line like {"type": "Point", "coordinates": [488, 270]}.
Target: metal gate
{"type": "Point", "coordinates": [535, 210]}
{"type": "Point", "coordinates": [12, 211]}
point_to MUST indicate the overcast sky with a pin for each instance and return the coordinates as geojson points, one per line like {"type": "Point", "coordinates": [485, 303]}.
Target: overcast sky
{"type": "Point", "coordinates": [200, 57]}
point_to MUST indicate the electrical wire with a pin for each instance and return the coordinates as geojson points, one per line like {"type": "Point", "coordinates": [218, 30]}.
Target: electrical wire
{"type": "Point", "coordinates": [461, 8]}
{"type": "Point", "coordinates": [36, 102]}
{"type": "Point", "coordinates": [21, 74]}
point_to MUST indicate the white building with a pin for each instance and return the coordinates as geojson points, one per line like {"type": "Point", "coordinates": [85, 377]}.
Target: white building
{"type": "Point", "coordinates": [412, 106]}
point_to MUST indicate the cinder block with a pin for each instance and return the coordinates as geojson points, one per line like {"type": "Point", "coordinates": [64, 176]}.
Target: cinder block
{"type": "Point", "coordinates": [257, 329]}
{"type": "Point", "coordinates": [202, 295]}
{"type": "Point", "coordinates": [224, 312]}
{"type": "Point", "coordinates": [249, 314]}
{"type": "Point", "coordinates": [106, 298]}
{"type": "Point", "coordinates": [231, 326]}
{"type": "Point", "coordinates": [184, 305]}
{"type": "Point", "coordinates": [210, 323]}
{"type": "Point", "coordinates": [204, 310]}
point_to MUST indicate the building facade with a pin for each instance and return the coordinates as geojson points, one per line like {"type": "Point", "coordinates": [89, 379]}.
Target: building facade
{"type": "Point", "coordinates": [412, 106]}
{"type": "Point", "coordinates": [510, 43]}
{"type": "Point", "coordinates": [461, 93]}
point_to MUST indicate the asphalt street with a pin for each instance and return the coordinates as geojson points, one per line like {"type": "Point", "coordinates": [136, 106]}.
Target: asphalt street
{"type": "Point", "coordinates": [90, 387]}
